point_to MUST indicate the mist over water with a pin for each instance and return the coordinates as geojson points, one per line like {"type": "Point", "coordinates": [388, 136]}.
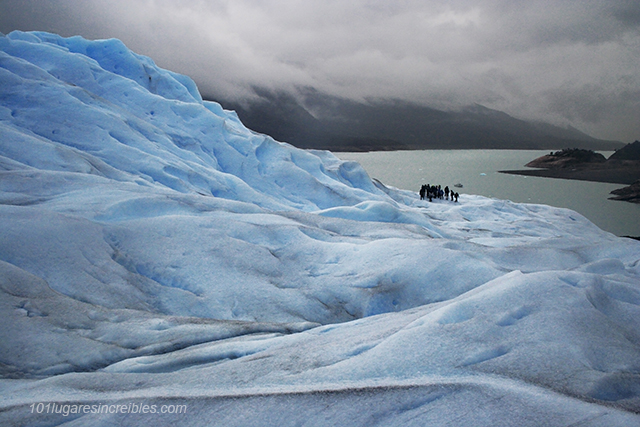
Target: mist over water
{"type": "Point", "coordinates": [477, 171]}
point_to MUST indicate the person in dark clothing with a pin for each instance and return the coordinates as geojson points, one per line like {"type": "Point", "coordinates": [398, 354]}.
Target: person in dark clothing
{"type": "Point", "coordinates": [423, 191]}
{"type": "Point", "coordinates": [446, 193]}
{"type": "Point", "coordinates": [456, 195]}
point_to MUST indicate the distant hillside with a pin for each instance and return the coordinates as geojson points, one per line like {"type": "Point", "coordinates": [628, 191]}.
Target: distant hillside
{"type": "Point", "coordinates": [315, 120]}
{"type": "Point", "coordinates": [622, 167]}
{"type": "Point", "coordinates": [628, 152]}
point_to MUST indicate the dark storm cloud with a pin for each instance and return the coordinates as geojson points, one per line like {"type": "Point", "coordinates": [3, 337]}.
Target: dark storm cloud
{"type": "Point", "coordinates": [572, 61]}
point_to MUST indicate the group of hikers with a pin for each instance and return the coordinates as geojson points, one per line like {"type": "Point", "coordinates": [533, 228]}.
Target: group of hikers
{"type": "Point", "coordinates": [436, 192]}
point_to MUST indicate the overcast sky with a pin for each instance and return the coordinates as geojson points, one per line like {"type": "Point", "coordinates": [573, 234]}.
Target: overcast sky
{"type": "Point", "coordinates": [565, 61]}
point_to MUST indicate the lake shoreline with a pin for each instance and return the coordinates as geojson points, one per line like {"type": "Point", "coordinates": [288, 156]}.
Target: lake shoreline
{"type": "Point", "coordinates": [622, 167]}
{"type": "Point", "coordinates": [630, 193]}
{"type": "Point", "coordinates": [623, 176]}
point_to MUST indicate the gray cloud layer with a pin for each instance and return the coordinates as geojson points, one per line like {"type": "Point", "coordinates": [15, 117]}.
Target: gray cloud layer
{"type": "Point", "coordinates": [569, 62]}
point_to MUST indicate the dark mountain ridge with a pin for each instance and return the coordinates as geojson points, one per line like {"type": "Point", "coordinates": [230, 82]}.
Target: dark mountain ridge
{"type": "Point", "coordinates": [315, 120]}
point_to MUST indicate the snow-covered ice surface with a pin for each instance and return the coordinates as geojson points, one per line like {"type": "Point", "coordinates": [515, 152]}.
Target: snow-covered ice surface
{"type": "Point", "coordinates": [154, 251]}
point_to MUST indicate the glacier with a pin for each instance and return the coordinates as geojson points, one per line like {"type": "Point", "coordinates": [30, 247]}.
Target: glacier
{"type": "Point", "coordinates": [156, 251]}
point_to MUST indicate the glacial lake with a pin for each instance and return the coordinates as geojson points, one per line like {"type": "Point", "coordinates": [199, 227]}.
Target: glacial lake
{"type": "Point", "coordinates": [477, 171]}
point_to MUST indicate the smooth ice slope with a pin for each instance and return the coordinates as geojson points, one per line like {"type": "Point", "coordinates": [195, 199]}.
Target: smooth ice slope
{"type": "Point", "coordinates": [153, 250]}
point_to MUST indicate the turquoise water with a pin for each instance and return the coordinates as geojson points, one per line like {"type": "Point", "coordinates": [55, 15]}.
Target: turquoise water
{"type": "Point", "coordinates": [477, 171]}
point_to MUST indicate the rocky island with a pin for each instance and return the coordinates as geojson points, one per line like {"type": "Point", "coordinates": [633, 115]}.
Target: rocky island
{"type": "Point", "coordinates": [622, 167]}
